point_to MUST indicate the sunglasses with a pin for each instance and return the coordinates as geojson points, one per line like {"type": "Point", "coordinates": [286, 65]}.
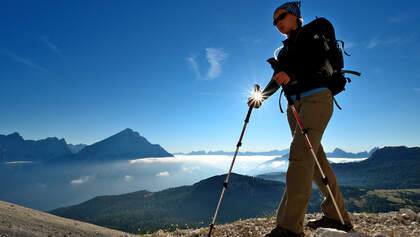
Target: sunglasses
{"type": "Point", "coordinates": [279, 18]}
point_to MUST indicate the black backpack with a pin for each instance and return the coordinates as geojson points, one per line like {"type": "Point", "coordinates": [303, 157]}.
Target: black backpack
{"type": "Point", "coordinates": [337, 80]}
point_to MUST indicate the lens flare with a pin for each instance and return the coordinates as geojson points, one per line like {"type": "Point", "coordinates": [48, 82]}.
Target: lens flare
{"type": "Point", "coordinates": [257, 96]}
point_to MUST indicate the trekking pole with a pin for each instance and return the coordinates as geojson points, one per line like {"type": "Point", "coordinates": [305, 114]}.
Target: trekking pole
{"type": "Point", "coordinates": [257, 98]}
{"type": "Point", "coordinates": [305, 133]}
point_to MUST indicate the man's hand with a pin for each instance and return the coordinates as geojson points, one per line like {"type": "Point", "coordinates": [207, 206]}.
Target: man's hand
{"type": "Point", "coordinates": [281, 78]}
{"type": "Point", "coordinates": [275, 65]}
{"type": "Point", "coordinates": [253, 103]}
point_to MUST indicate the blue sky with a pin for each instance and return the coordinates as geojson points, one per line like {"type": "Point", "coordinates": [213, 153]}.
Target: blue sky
{"type": "Point", "coordinates": [179, 72]}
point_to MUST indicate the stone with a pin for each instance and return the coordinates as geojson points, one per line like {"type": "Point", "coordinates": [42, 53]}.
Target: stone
{"type": "Point", "coordinates": [329, 232]}
{"type": "Point", "coordinates": [409, 213]}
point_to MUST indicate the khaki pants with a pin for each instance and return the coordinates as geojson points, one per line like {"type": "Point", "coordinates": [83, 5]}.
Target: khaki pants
{"type": "Point", "coordinates": [315, 111]}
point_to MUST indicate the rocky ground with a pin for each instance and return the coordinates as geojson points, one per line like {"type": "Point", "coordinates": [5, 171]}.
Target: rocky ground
{"type": "Point", "coordinates": [22, 222]}
{"type": "Point", "coordinates": [393, 224]}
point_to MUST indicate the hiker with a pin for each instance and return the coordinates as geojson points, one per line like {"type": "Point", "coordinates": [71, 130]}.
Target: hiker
{"type": "Point", "coordinates": [301, 73]}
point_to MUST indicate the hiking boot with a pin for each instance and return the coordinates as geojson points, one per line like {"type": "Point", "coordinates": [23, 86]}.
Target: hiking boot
{"type": "Point", "coordinates": [329, 223]}
{"type": "Point", "coordinates": [281, 232]}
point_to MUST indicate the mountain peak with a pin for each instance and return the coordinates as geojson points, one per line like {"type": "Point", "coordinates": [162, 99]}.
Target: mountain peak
{"type": "Point", "coordinates": [126, 144]}
{"type": "Point", "coordinates": [128, 131]}
{"type": "Point", "coordinates": [15, 135]}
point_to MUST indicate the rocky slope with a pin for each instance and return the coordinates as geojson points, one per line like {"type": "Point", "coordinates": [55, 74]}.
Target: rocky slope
{"type": "Point", "coordinates": [24, 222]}
{"type": "Point", "coordinates": [392, 224]}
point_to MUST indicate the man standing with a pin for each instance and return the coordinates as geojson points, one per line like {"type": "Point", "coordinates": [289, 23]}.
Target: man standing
{"type": "Point", "coordinates": [302, 69]}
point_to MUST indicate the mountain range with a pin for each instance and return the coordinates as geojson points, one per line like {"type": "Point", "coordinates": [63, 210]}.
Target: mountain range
{"type": "Point", "coordinates": [343, 154]}
{"type": "Point", "coordinates": [126, 144]}
{"type": "Point", "coordinates": [14, 148]}
{"type": "Point", "coordinates": [337, 152]}
{"type": "Point", "coordinates": [386, 168]}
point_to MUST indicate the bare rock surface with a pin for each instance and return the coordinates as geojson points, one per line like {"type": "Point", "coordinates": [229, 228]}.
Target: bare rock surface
{"type": "Point", "coordinates": [392, 224]}
{"type": "Point", "coordinates": [19, 221]}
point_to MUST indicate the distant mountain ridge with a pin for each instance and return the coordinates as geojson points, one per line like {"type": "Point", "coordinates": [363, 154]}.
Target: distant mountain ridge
{"type": "Point", "coordinates": [126, 144]}
{"type": "Point", "coordinates": [14, 148]}
{"type": "Point", "coordinates": [343, 154]}
{"type": "Point", "coordinates": [337, 152]}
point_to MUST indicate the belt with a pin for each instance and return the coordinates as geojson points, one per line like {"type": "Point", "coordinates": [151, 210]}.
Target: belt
{"type": "Point", "coordinates": [308, 93]}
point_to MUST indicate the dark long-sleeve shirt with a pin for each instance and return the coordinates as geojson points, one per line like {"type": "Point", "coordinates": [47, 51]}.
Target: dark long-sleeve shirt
{"type": "Point", "coordinates": [304, 58]}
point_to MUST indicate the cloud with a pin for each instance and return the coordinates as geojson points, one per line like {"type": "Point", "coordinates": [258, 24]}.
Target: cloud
{"type": "Point", "coordinates": [374, 42]}
{"type": "Point", "coordinates": [382, 41]}
{"type": "Point", "coordinates": [191, 60]}
{"type": "Point", "coordinates": [51, 46]}
{"type": "Point", "coordinates": [262, 166]}
{"type": "Point", "coordinates": [403, 17]}
{"type": "Point", "coordinates": [24, 61]}
{"type": "Point", "coordinates": [199, 159]}
{"type": "Point", "coordinates": [128, 178]}
{"type": "Point", "coordinates": [215, 58]}
{"type": "Point", "coordinates": [80, 180]}
{"type": "Point", "coordinates": [276, 164]}
{"type": "Point", "coordinates": [18, 162]}
{"type": "Point", "coordinates": [163, 174]}
{"type": "Point", "coordinates": [190, 169]}
{"type": "Point", "coordinates": [416, 89]}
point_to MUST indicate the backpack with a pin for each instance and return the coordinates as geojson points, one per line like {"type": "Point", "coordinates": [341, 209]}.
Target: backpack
{"type": "Point", "coordinates": [324, 33]}
{"type": "Point", "coordinates": [337, 79]}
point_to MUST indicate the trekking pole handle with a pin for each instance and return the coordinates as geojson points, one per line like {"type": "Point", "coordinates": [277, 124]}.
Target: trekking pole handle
{"type": "Point", "coordinates": [256, 88]}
